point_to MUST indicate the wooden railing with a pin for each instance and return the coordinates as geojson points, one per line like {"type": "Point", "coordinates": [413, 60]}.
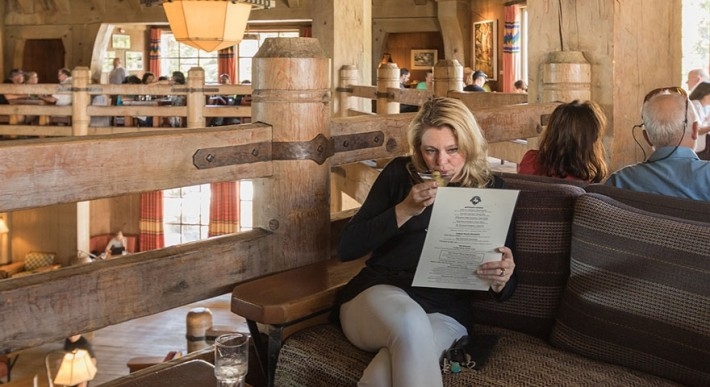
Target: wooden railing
{"type": "Point", "coordinates": [290, 151]}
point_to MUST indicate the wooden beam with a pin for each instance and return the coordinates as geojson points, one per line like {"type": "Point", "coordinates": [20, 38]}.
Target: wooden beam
{"type": "Point", "coordinates": [502, 123]}
{"type": "Point", "coordinates": [355, 179]}
{"type": "Point", "coordinates": [66, 170]}
{"type": "Point", "coordinates": [50, 306]}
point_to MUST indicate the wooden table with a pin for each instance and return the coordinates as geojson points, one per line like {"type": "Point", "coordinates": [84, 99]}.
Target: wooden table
{"type": "Point", "coordinates": [193, 373]}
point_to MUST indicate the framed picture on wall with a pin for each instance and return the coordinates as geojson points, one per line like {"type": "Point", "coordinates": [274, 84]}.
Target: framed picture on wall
{"type": "Point", "coordinates": [423, 59]}
{"type": "Point", "coordinates": [121, 42]}
{"type": "Point", "coordinates": [485, 47]}
{"type": "Point", "coordinates": [107, 65]}
{"type": "Point", "coordinates": [134, 60]}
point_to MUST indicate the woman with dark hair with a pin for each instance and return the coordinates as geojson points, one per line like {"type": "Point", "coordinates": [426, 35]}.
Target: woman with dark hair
{"type": "Point", "coordinates": [571, 145]}
{"type": "Point", "coordinates": [700, 98]}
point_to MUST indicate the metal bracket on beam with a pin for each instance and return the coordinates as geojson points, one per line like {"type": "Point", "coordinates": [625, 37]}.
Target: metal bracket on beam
{"type": "Point", "coordinates": [318, 150]}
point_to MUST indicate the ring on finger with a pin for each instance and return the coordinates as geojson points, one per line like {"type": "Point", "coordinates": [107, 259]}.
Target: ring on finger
{"type": "Point", "coordinates": [502, 272]}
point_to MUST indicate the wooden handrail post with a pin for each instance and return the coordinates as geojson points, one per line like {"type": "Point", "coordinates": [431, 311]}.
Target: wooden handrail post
{"type": "Point", "coordinates": [348, 77]}
{"type": "Point", "coordinates": [292, 94]}
{"type": "Point", "coordinates": [195, 98]}
{"type": "Point", "coordinates": [448, 76]}
{"type": "Point", "coordinates": [387, 76]}
{"type": "Point", "coordinates": [81, 99]}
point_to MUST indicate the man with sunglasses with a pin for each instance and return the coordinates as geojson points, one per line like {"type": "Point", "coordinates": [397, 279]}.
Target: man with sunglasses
{"type": "Point", "coordinates": [673, 169]}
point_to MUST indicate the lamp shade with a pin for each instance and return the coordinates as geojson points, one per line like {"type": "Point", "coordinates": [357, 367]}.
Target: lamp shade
{"type": "Point", "coordinates": [76, 367]}
{"type": "Point", "coordinates": [207, 24]}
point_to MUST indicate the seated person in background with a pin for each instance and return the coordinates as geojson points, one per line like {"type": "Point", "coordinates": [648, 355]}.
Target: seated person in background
{"type": "Point", "coordinates": [479, 79]}
{"type": "Point", "coordinates": [79, 342]}
{"type": "Point", "coordinates": [521, 87]}
{"type": "Point", "coordinates": [380, 311]}
{"type": "Point", "coordinates": [16, 77]}
{"type": "Point", "coordinates": [100, 100]}
{"type": "Point", "coordinates": [404, 75]}
{"type": "Point", "coordinates": [117, 245]}
{"type": "Point", "coordinates": [673, 169]}
{"type": "Point", "coordinates": [428, 82]}
{"type": "Point", "coordinates": [64, 77]}
{"type": "Point", "coordinates": [571, 145]}
{"type": "Point", "coordinates": [700, 98]}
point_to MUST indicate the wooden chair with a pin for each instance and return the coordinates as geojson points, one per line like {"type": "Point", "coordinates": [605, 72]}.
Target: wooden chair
{"type": "Point", "coordinates": [6, 364]}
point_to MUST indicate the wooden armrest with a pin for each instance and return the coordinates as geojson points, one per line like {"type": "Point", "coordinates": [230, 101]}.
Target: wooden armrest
{"type": "Point", "coordinates": [285, 297]}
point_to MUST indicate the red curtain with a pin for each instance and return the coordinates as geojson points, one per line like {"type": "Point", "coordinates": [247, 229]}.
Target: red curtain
{"type": "Point", "coordinates": [224, 208]}
{"type": "Point", "coordinates": [151, 221]}
{"type": "Point", "coordinates": [154, 56]}
{"type": "Point", "coordinates": [305, 32]}
{"type": "Point", "coordinates": [226, 63]}
{"type": "Point", "coordinates": [511, 48]}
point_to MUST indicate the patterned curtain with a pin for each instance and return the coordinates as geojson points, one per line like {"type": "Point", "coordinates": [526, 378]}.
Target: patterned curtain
{"type": "Point", "coordinates": [224, 208]}
{"type": "Point", "coordinates": [511, 48]}
{"type": "Point", "coordinates": [154, 56]}
{"type": "Point", "coordinates": [226, 63]}
{"type": "Point", "coordinates": [151, 221]}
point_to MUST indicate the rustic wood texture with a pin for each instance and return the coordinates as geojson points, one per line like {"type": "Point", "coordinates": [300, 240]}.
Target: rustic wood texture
{"type": "Point", "coordinates": [448, 76]}
{"type": "Point", "coordinates": [50, 306]}
{"type": "Point", "coordinates": [294, 205]}
{"type": "Point", "coordinates": [287, 296]}
{"type": "Point", "coordinates": [387, 77]}
{"type": "Point", "coordinates": [355, 179]}
{"type": "Point", "coordinates": [80, 168]}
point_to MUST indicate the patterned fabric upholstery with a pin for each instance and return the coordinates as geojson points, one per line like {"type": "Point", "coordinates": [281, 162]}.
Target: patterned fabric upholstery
{"type": "Point", "coordinates": [639, 291]}
{"type": "Point", "coordinates": [35, 260]}
{"type": "Point", "coordinates": [543, 221]}
{"type": "Point", "coordinates": [322, 357]}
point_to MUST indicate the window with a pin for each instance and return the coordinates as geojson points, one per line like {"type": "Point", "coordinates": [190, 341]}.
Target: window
{"type": "Point", "coordinates": [250, 45]}
{"type": "Point", "coordinates": [696, 36]}
{"type": "Point", "coordinates": [186, 214]}
{"type": "Point", "coordinates": [175, 56]}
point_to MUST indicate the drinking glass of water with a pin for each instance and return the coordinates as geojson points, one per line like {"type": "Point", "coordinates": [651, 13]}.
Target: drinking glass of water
{"type": "Point", "coordinates": [231, 359]}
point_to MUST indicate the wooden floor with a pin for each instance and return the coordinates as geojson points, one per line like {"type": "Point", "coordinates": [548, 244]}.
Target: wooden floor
{"type": "Point", "coordinates": [154, 335]}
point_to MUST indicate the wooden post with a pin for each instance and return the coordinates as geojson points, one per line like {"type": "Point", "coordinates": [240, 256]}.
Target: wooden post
{"type": "Point", "coordinates": [387, 76]}
{"type": "Point", "coordinates": [292, 94]}
{"type": "Point", "coordinates": [566, 76]}
{"type": "Point", "coordinates": [196, 98]}
{"type": "Point", "coordinates": [81, 99]}
{"type": "Point", "coordinates": [81, 77]}
{"type": "Point", "coordinates": [348, 77]}
{"type": "Point", "coordinates": [448, 75]}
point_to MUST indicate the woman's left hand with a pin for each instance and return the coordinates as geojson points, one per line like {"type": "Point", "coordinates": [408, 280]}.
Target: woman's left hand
{"type": "Point", "coordinates": [498, 272]}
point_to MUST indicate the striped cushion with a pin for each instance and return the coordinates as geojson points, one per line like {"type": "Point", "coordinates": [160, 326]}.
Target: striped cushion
{"type": "Point", "coordinates": [543, 221]}
{"type": "Point", "coordinates": [639, 291]}
{"type": "Point", "coordinates": [35, 260]}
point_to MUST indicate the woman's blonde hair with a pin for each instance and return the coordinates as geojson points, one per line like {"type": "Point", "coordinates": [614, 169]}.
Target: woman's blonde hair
{"type": "Point", "coordinates": [442, 112]}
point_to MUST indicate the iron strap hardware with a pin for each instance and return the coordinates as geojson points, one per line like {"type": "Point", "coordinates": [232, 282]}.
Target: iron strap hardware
{"type": "Point", "coordinates": [318, 149]}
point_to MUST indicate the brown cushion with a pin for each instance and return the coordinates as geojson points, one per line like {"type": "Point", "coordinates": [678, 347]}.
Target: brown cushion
{"type": "Point", "coordinates": [322, 357]}
{"type": "Point", "coordinates": [543, 221]}
{"type": "Point", "coordinates": [638, 291]}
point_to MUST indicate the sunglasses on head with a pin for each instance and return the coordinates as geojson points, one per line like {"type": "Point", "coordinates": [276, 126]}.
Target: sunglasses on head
{"type": "Point", "coordinates": [665, 90]}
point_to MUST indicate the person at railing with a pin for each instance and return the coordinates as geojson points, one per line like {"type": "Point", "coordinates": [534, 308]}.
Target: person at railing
{"type": "Point", "coordinates": [520, 86]}
{"type": "Point", "coordinates": [380, 311]}
{"type": "Point", "coordinates": [177, 78]}
{"type": "Point", "coordinates": [16, 77]}
{"type": "Point", "coordinates": [118, 74]}
{"type": "Point", "coordinates": [100, 100]}
{"type": "Point", "coordinates": [479, 80]}
{"type": "Point", "coordinates": [700, 98]}
{"type": "Point", "coordinates": [428, 81]}
{"type": "Point", "coordinates": [571, 145]}
{"type": "Point", "coordinates": [61, 99]}
{"type": "Point", "coordinates": [223, 99]}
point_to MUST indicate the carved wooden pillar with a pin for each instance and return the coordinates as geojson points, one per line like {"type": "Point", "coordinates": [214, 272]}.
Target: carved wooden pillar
{"type": "Point", "coordinates": [566, 76]}
{"type": "Point", "coordinates": [81, 99]}
{"type": "Point", "coordinates": [448, 75]}
{"type": "Point", "coordinates": [195, 99]}
{"type": "Point", "coordinates": [291, 93]}
{"type": "Point", "coordinates": [387, 76]}
{"type": "Point", "coordinates": [348, 77]}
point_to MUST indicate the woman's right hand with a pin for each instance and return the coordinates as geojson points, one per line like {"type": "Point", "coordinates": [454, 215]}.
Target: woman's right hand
{"type": "Point", "coordinates": [420, 197]}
